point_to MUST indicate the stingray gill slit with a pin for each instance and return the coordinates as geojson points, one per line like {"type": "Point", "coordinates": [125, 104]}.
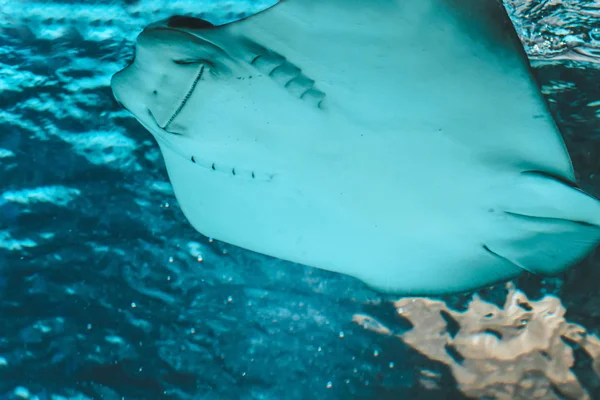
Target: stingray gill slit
{"type": "Point", "coordinates": [288, 75]}
{"type": "Point", "coordinates": [234, 171]}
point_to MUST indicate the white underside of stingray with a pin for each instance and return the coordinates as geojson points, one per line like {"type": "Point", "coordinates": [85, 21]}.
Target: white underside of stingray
{"type": "Point", "coordinates": [401, 142]}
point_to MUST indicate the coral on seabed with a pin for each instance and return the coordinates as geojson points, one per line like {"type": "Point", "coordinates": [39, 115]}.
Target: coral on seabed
{"type": "Point", "coordinates": [519, 351]}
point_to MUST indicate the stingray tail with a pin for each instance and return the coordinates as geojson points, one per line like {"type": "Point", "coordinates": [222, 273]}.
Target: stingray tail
{"type": "Point", "coordinates": [557, 225]}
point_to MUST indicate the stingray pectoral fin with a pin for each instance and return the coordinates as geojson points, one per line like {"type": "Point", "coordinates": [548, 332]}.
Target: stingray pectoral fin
{"type": "Point", "coordinates": [546, 196]}
{"type": "Point", "coordinates": [548, 246]}
{"type": "Point", "coordinates": [553, 225]}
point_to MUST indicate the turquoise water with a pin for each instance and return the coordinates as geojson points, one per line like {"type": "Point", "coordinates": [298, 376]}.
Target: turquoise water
{"type": "Point", "coordinates": [106, 292]}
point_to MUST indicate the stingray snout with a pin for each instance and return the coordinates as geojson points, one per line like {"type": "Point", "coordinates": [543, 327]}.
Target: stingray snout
{"type": "Point", "coordinates": [169, 65]}
{"type": "Point", "coordinates": [118, 84]}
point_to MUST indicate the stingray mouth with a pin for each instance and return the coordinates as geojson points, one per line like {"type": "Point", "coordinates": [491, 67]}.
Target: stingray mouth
{"type": "Point", "coordinates": [186, 97]}
{"type": "Point", "coordinates": [203, 162]}
{"type": "Point", "coordinates": [183, 102]}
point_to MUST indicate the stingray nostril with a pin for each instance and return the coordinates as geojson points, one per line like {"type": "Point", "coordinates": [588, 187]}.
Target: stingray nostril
{"type": "Point", "coordinates": [154, 92]}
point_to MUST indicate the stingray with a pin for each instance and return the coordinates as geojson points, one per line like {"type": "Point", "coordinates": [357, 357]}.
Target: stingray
{"type": "Point", "coordinates": [404, 143]}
